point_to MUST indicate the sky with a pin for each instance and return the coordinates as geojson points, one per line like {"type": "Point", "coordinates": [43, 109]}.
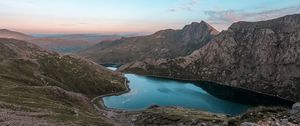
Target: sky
{"type": "Point", "coordinates": [133, 16]}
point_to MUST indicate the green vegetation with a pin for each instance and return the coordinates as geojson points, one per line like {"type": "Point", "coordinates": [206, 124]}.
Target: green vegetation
{"type": "Point", "coordinates": [56, 87]}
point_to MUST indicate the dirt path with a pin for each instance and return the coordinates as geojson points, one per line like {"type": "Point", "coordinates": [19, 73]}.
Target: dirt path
{"type": "Point", "coordinates": [114, 116]}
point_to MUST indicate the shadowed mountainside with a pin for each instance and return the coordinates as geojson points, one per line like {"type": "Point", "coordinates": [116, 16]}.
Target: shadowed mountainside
{"type": "Point", "coordinates": [162, 44]}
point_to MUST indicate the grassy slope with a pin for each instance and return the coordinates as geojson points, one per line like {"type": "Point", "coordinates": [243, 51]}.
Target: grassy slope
{"type": "Point", "coordinates": [57, 86]}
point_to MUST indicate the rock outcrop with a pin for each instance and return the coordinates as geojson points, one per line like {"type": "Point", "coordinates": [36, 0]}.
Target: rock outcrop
{"type": "Point", "coordinates": [162, 44]}
{"type": "Point", "coordinates": [295, 112]}
{"type": "Point", "coordinates": [260, 56]}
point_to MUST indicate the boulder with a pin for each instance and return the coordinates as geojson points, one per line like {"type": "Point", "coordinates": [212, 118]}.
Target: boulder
{"type": "Point", "coordinates": [248, 124]}
{"type": "Point", "coordinates": [295, 112]}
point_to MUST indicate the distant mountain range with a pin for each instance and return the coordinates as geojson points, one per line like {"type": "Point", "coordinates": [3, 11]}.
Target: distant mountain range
{"type": "Point", "coordinates": [162, 44]}
{"type": "Point", "coordinates": [65, 43]}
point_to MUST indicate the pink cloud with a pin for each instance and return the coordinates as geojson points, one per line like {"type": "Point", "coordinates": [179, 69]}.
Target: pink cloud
{"type": "Point", "coordinates": [223, 19]}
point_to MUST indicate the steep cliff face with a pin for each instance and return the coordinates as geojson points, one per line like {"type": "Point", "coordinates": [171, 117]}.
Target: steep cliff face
{"type": "Point", "coordinates": [162, 44]}
{"type": "Point", "coordinates": [261, 56]}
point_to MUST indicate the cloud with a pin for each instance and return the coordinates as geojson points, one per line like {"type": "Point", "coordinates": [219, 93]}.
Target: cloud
{"type": "Point", "coordinates": [172, 10]}
{"type": "Point", "coordinates": [188, 6]}
{"type": "Point", "coordinates": [223, 19]}
{"type": "Point", "coordinates": [83, 23]}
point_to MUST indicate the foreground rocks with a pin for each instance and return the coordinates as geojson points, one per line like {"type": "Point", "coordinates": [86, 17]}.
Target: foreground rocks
{"type": "Point", "coordinates": [176, 116]}
{"type": "Point", "coordinates": [260, 56]}
{"type": "Point", "coordinates": [269, 117]}
{"type": "Point", "coordinates": [295, 112]}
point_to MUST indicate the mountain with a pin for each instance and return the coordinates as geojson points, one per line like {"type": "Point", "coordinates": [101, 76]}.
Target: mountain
{"type": "Point", "coordinates": [162, 44]}
{"type": "Point", "coordinates": [71, 43]}
{"type": "Point", "coordinates": [38, 87]}
{"type": "Point", "coordinates": [260, 56]}
{"type": "Point", "coordinates": [93, 38]}
{"type": "Point", "coordinates": [61, 43]}
{"type": "Point", "coordinates": [4, 33]}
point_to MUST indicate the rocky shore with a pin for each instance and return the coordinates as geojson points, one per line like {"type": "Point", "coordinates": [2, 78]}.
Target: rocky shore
{"type": "Point", "coordinates": [156, 115]}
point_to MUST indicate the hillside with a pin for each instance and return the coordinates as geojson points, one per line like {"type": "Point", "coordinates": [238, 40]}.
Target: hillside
{"type": "Point", "coordinates": [41, 87]}
{"type": "Point", "coordinates": [260, 56]}
{"type": "Point", "coordinates": [4, 33]}
{"type": "Point", "coordinates": [162, 44]}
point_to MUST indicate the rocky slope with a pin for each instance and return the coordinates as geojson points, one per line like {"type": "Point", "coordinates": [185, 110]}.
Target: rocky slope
{"type": "Point", "coordinates": [157, 116]}
{"type": "Point", "coordinates": [260, 116]}
{"type": "Point", "coordinates": [162, 44]}
{"type": "Point", "coordinates": [260, 56]}
{"type": "Point", "coordinates": [45, 88]}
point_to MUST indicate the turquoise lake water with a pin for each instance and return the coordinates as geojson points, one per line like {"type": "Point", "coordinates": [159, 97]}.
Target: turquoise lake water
{"type": "Point", "coordinates": [147, 91]}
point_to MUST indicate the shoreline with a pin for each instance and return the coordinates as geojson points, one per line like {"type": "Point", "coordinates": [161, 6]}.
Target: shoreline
{"type": "Point", "coordinates": [98, 101]}
{"type": "Point", "coordinates": [99, 106]}
{"type": "Point", "coordinates": [196, 80]}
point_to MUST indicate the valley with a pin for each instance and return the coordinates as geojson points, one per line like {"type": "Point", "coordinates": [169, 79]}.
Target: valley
{"type": "Point", "coordinates": [126, 72]}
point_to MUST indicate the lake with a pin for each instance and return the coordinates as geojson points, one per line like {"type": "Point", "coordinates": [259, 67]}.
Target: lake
{"type": "Point", "coordinates": [147, 91]}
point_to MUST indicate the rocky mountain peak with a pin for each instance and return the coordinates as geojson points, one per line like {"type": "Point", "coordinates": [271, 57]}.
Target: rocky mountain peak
{"type": "Point", "coordinates": [168, 43]}
{"type": "Point", "coordinates": [198, 31]}
{"type": "Point", "coordinates": [200, 27]}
